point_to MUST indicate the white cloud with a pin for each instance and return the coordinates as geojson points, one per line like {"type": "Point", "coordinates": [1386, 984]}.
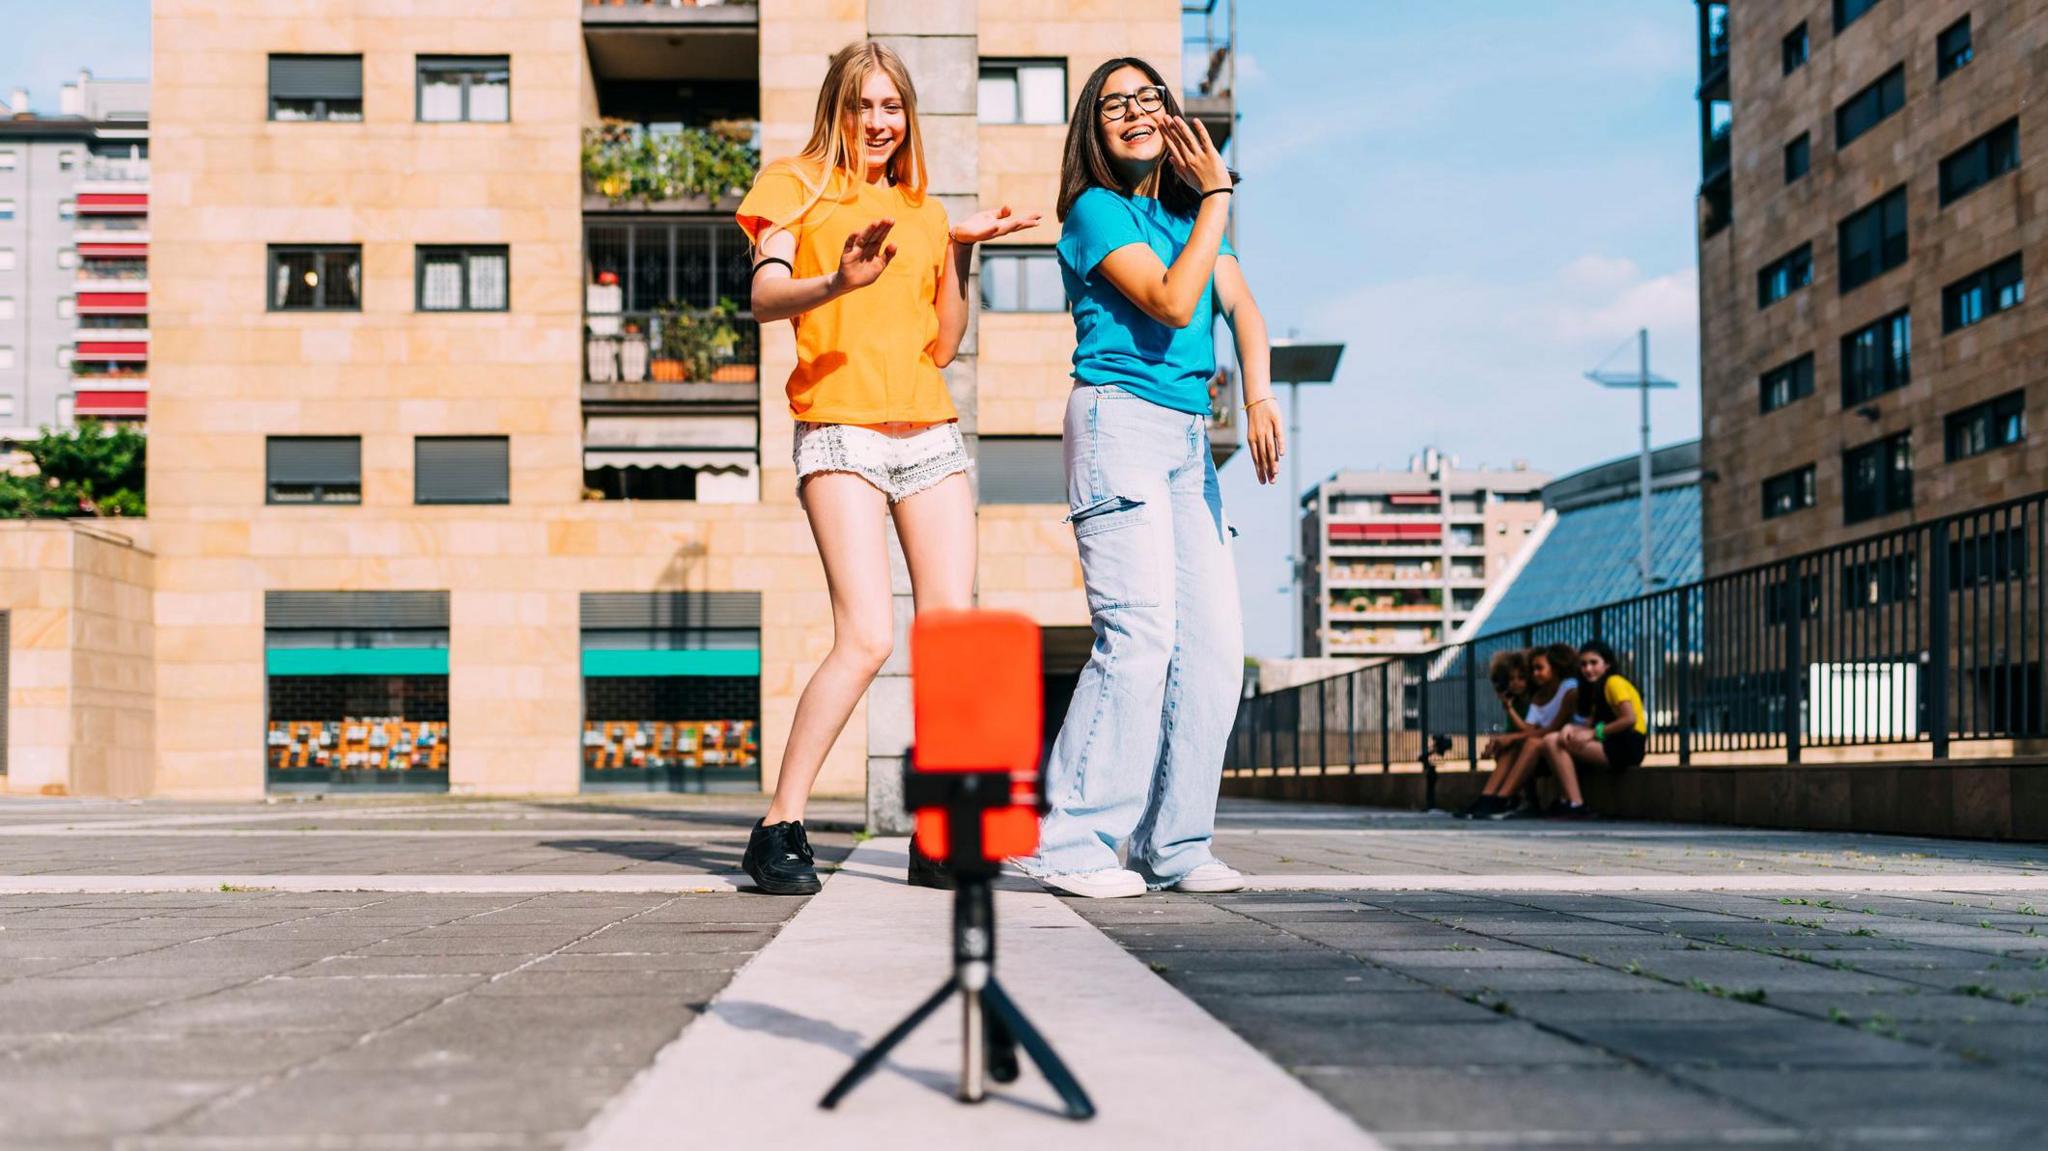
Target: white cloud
{"type": "Point", "coordinates": [1596, 272]}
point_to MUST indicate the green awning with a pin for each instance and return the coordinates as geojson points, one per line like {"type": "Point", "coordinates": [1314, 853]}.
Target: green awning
{"type": "Point", "coordinates": [723, 661]}
{"type": "Point", "coordinates": [356, 661]}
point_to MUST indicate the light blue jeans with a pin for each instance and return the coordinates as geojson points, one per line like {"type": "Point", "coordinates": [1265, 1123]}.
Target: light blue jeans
{"type": "Point", "coordinates": [1140, 757]}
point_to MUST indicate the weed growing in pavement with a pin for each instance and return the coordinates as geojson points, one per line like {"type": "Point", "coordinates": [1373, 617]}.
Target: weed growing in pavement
{"type": "Point", "coordinates": [1788, 921]}
{"type": "Point", "coordinates": [1789, 953]}
{"type": "Point", "coordinates": [1741, 995]}
{"type": "Point", "coordinates": [1980, 991]}
{"type": "Point", "coordinates": [1863, 931]}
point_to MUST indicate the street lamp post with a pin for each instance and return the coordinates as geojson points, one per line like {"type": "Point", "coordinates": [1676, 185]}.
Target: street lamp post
{"type": "Point", "coordinates": [1643, 382]}
{"type": "Point", "coordinates": [1296, 363]}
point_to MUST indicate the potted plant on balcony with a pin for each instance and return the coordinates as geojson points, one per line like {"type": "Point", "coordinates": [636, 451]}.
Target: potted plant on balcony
{"type": "Point", "coordinates": [697, 340]}
{"type": "Point", "coordinates": [633, 354]}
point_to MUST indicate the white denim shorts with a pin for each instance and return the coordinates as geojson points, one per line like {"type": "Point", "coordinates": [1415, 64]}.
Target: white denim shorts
{"type": "Point", "coordinates": [901, 460]}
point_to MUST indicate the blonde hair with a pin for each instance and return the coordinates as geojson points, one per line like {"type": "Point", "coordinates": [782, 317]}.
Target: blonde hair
{"type": "Point", "coordinates": [831, 166]}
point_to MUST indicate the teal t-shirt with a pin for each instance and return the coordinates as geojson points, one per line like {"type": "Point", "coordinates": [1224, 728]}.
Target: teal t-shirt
{"type": "Point", "coordinates": [1117, 343]}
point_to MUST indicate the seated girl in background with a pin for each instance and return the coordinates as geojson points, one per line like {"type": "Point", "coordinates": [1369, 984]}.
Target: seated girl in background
{"type": "Point", "coordinates": [1551, 707]}
{"type": "Point", "coordinates": [1613, 732]}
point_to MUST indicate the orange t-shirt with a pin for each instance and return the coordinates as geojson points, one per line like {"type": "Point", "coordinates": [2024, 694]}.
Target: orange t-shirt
{"type": "Point", "coordinates": [866, 357]}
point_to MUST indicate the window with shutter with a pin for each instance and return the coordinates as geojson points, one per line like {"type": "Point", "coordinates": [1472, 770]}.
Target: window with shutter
{"type": "Point", "coordinates": [462, 470]}
{"type": "Point", "coordinates": [316, 87]}
{"type": "Point", "coordinates": [1021, 470]}
{"type": "Point", "coordinates": [314, 469]}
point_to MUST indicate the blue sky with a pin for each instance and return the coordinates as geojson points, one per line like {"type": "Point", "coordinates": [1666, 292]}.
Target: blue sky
{"type": "Point", "coordinates": [1481, 198]}
{"type": "Point", "coordinates": [45, 44]}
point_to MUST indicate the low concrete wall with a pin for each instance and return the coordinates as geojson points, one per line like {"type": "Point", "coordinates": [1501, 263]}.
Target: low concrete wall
{"type": "Point", "coordinates": [1961, 798]}
{"type": "Point", "coordinates": [82, 671]}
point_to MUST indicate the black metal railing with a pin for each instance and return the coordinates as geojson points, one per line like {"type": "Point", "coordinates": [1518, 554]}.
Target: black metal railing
{"type": "Point", "coordinates": [1930, 634]}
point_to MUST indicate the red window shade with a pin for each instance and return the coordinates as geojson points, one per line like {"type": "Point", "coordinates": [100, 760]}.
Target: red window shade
{"type": "Point", "coordinates": [113, 203]}
{"type": "Point", "coordinates": [1414, 498]}
{"type": "Point", "coordinates": [111, 403]}
{"type": "Point", "coordinates": [90, 302]}
{"type": "Point", "coordinates": [1386, 533]}
{"type": "Point", "coordinates": [113, 250]}
{"type": "Point", "coordinates": [109, 350]}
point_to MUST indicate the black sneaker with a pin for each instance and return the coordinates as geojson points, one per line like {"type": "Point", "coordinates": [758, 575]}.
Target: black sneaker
{"type": "Point", "coordinates": [928, 872]}
{"type": "Point", "coordinates": [779, 859]}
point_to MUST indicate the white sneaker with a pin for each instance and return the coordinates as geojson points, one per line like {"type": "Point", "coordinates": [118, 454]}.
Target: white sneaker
{"type": "Point", "coordinates": [1108, 883]}
{"type": "Point", "coordinates": [1210, 878]}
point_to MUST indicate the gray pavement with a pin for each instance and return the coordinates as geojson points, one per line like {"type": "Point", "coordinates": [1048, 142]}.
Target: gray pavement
{"type": "Point", "coordinates": [1831, 1009]}
{"type": "Point", "coordinates": [1703, 1018]}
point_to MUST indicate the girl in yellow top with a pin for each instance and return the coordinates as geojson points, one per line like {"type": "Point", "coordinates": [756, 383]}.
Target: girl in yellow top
{"type": "Point", "coordinates": [852, 251]}
{"type": "Point", "coordinates": [1612, 729]}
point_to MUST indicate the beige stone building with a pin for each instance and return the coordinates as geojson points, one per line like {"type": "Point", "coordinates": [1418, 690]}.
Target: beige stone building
{"type": "Point", "coordinates": [1871, 205]}
{"type": "Point", "coordinates": [461, 474]}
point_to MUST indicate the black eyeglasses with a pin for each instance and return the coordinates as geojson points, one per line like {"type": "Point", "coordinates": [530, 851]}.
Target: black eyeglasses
{"type": "Point", "coordinates": [1117, 106]}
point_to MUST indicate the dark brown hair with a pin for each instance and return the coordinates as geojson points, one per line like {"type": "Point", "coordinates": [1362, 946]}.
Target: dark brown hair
{"type": "Point", "coordinates": [1507, 666]}
{"type": "Point", "coordinates": [1086, 163]}
{"type": "Point", "coordinates": [1563, 659]}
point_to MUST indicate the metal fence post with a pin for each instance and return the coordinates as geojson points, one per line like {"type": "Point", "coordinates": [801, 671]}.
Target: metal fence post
{"type": "Point", "coordinates": [1937, 640]}
{"type": "Point", "coordinates": [1322, 726]}
{"type": "Point", "coordinates": [1471, 708]}
{"type": "Point", "coordinates": [1795, 619]}
{"type": "Point", "coordinates": [1296, 692]}
{"type": "Point", "coordinates": [1351, 720]}
{"type": "Point", "coordinates": [1684, 692]}
{"type": "Point", "coordinates": [1386, 720]}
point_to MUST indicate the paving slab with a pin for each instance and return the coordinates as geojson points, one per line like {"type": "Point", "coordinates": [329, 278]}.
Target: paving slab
{"type": "Point", "coordinates": [1161, 1071]}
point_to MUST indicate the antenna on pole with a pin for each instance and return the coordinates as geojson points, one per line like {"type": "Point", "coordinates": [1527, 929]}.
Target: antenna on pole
{"type": "Point", "coordinates": [1643, 382]}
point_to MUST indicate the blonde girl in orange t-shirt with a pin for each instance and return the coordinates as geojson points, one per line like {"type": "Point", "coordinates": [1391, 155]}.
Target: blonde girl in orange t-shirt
{"type": "Point", "coordinates": [850, 248]}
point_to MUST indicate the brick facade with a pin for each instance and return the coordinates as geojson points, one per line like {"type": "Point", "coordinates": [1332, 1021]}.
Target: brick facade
{"type": "Point", "coordinates": [1740, 341]}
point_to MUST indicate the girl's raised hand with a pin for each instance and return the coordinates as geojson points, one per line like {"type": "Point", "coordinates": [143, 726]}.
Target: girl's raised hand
{"type": "Point", "coordinates": [867, 252]}
{"type": "Point", "coordinates": [1193, 155]}
{"type": "Point", "coordinates": [985, 225]}
{"type": "Point", "coordinates": [1265, 439]}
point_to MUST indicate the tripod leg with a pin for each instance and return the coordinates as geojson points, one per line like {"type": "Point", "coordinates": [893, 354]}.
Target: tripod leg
{"type": "Point", "coordinates": [1002, 1050]}
{"type": "Point", "coordinates": [1056, 1073]}
{"type": "Point", "coordinates": [873, 1056]}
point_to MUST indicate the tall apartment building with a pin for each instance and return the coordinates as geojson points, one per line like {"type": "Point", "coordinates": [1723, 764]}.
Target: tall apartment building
{"type": "Point", "coordinates": [1394, 561]}
{"type": "Point", "coordinates": [467, 468]}
{"type": "Point", "coordinates": [1867, 218]}
{"type": "Point", "coordinates": [74, 242]}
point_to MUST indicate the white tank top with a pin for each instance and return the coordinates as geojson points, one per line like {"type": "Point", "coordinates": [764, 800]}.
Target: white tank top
{"type": "Point", "coordinates": [1544, 714]}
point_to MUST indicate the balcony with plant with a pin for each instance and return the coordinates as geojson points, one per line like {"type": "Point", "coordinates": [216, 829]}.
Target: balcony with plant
{"type": "Point", "coordinates": [626, 163]}
{"type": "Point", "coordinates": [674, 344]}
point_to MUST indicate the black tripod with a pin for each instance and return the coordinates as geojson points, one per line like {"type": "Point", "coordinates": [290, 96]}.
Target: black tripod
{"type": "Point", "coordinates": [992, 1026]}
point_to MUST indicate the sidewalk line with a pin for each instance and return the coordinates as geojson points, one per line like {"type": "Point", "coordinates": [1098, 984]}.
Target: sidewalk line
{"type": "Point", "coordinates": [602, 832]}
{"type": "Point", "coordinates": [860, 955]}
{"type": "Point", "coordinates": [1551, 881]}
{"type": "Point", "coordinates": [651, 883]}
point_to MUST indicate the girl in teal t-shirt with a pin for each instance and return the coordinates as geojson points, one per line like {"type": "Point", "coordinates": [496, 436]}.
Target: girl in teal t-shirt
{"type": "Point", "coordinates": [1144, 198]}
